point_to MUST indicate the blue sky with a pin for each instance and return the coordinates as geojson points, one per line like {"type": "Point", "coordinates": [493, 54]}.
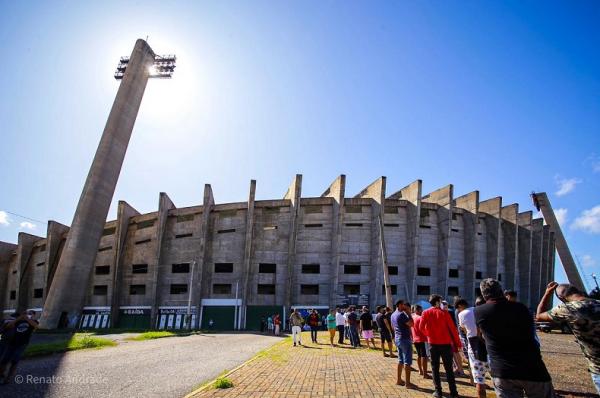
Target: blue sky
{"type": "Point", "coordinates": [503, 97]}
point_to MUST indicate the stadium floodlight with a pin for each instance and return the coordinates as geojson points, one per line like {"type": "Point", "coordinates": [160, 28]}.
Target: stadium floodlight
{"type": "Point", "coordinates": [163, 67]}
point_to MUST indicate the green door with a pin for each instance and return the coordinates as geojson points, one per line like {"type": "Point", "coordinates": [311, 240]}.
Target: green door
{"type": "Point", "coordinates": [255, 312]}
{"type": "Point", "coordinates": [127, 321]}
{"type": "Point", "coordinates": [222, 317]}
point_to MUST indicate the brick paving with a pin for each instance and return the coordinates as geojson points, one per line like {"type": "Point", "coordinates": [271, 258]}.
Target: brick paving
{"type": "Point", "coordinates": [322, 371]}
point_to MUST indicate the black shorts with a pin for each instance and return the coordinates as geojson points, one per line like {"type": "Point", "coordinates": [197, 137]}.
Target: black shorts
{"type": "Point", "coordinates": [421, 350]}
{"type": "Point", "coordinates": [385, 336]}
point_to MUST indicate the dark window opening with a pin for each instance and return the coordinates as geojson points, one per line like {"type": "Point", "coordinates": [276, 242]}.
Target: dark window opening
{"type": "Point", "coordinates": [226, 231]}
{"type": "Point", "coordinates": [352, 269]}
{"type": "Point", "coordinates": [266, 268]}
{"type": "Point", "coordinates": [13, 295]}
{"type": "Point", "coordinates": [38, 293]}
{"type": "Point", "coordinates": [423, 271]}
{"type": "Point", "coordinates": [477, 292]}
{"type": "Point", "coordinates": [228, 213]}
{"type": "Point", "coordinates": [100, 290]}
{"type": "Point", "coordinates": [351, 289]}
{"type": "Point", "coordinates": [499, 277]}
{"type": "Point", "coordinates": [452, 290]}
{"type": "Point", "coordinates": [179, 288]}
{"type": "Point", "coordinates": [354, 225]}
{"type": "Point", "coordinates": [393, 288]}
{"type": "Point", "coordinates": [423, 290]}
{"type": "Point", "coordinates": [266, 289]}
{"type": "Point", "coordinates": [185, 217]}
{"type": "Point", "coordinates": [313, 209]}
{"type": "Point", "coordinates": [309, 289]}
{"type": "Point", "coordinates": [311, 268]}
{"type": "Point", "coordinates": [222, 288]}
{"type": "Point", "coordinates": [40, 264]}
{"type": "Point", "coordinates": [313, 225]}
{"type": "Point", "coordinates": [390, 210]}
{"type": "Point", "coordinates": [391, 225]}
{"type": "Point", "coordinates": [223, 267]}
{"type": "Point", "coordinates": [478, 275]}
{"type": "Point", "coordinates": [455, 216]}
{"type": "Point", "coordinates": [103, 270]}
{"type": "Point", "coordinates": [455, 230]}
{"type": "Point", "coordinates": [271, 210]}
{"type": "Point", "coordinates": [353, 209]}
{"type": "Point", "coordinates": [393, 270]}
{"type": "Point", "coordinates": [139, 268]}
{"type": "Point", "coordinates": [137, 290]}
{"type": "Point", "coordinates": [145, 224]}
{"type": "Point", "coordinates": [139, 242]}
{"type": "Point", "coordinates": [181, 268]}
{"type": "Point", "coordinates": [109, 231]}
{"type": "Point", "coordinates": [425, 226]}
{"type": "Point", "coordinates": [103, 249]}
{"type": "Point", "coordinates": [424, 213]}
{"type": "Point", "coordinates": [184, 235]}
{"type": "Point", "coordinates": [453, 273]}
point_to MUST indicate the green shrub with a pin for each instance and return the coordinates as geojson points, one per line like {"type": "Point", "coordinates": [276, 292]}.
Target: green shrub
{"type": "Point", "coordinates": [223, 382]}
{"type": "Point", "coordinates": [152, 335]}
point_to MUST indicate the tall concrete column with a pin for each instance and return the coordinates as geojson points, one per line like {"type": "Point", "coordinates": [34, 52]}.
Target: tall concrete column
{"type": "Point", "coordinates": [77, 260]}
{"type": "Point", "coordinates": [469, 203]}
{"type": "Point", "coordinates": [537, 248]}
{"type": "Point", "coordinates": [6, 252]}
{"type": "Point", "coordinates": [202, 274]}
{"type": "Point", "coordinates": [522, 279]}
{"type": "Point", "coordinates": [337, 191]}
{"type": "Point", "coordinates": [24, 250]}
{"type": "Point", "coordinates": [491, 208]}
{"type": "Point", "coordinates": [248, 239]}
{"type": "Point", "coordinates": [54, 241]}
{"type": "Point", "coordinates": [293, 194]}
{"type": "Point", "coordinates": [510, 233]}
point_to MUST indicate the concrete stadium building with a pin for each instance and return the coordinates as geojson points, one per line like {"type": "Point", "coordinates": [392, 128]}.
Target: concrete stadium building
{"type": "Point", "coordinates": [236, 262]}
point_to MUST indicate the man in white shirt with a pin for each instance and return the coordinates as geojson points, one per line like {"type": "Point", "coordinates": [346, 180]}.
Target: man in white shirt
{"type": "Point", "coordinates": [340, 322]}
{"type": "Point", "coordinates": [477, 352]}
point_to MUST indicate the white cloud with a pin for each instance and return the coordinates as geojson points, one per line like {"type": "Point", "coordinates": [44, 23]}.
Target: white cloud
{"type": "Point", "coordinates": [561, 216]}
{"type": "Point", "coordinates": [565, 185]}
{"type": "Point", "coordinates": [588, 221]}
{"type": "Point", "coordinates": [4, 218]}
{"type": "Point", "coordinates": [594, 161]}
{"type": "Point", "coordinates": [588, 261]}
{"type": "Point", "coordinates": [27, 225]}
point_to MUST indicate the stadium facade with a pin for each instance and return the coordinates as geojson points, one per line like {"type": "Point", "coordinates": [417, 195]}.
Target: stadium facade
{"type": "Point", "coordinates": [236, 262]}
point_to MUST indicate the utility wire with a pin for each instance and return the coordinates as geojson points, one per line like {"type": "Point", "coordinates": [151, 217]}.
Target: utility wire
{"type": "Point", "coordinates": [26, 218]}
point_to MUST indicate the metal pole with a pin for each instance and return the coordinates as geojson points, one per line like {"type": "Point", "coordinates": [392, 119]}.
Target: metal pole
{"type": "Point", "coordinates": [189, 307]}
{"type": "Point", "coordinates": [596, 281]}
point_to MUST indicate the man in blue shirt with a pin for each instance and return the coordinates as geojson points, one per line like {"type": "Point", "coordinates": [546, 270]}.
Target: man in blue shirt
{"type": "Point", "coordinates": [402, 322]}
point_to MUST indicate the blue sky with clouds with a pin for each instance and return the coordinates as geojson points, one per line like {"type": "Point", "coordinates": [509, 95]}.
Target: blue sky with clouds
{"type": "Point", "coordinates": [503, 97]}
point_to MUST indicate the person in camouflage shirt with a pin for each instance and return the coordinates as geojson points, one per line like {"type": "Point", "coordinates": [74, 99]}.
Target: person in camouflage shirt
{"type": "Point", "coordinates": [583, 316]}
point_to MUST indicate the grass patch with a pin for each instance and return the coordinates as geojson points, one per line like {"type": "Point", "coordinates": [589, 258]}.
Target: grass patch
{"type": "Point", "coordinates": [152, 335]}
{"type": "Point", "coordinates": [223, 382]}
{"type": "Point", "coordinates": [76, 342]}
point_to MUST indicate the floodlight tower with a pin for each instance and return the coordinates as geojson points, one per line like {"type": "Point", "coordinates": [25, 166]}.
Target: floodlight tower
{"type": "Point", "coordinates": [66, 295]}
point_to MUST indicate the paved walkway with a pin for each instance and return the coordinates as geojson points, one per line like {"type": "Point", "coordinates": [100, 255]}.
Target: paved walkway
{"type": "Point", "coordinates": [167, 367]}
{"type": "Point", "coordinates": [323, 371]}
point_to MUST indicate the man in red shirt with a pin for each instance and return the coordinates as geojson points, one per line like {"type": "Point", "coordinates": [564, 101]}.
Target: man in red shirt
{"type": "Point", "coordinates": [441, 334]}
{"type": "Point", "coordinates": [419, 340]}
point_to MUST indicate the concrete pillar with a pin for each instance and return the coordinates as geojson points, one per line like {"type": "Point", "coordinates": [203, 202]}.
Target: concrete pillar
{"type": "Point", "coordinates": [248, 239]}
{"type": "Point", "coordinates": [164, 205]}
{"type": "Point", "coordinates": [412, 194]}
{"type": "Point", "coordinates": [545, 259]}
{"type": "Point", "coordinates": [443, 197]}
{"type": "Point", "coordinates": [511, 241]}
{"type": "Point", "coordinates": [202, 274]}
{"type": "Point", "coordinates": [24, 250]}
{"type": "Point", "coordinates": [77, 261]}
{"type": "Point", "coordinates": [523, 278]}
{"type": "Point", "coordinates": [376, 191]}
{"type": "Point", "coordinates": [337, 191]}
{"type": "Point", "coordinates": [293, 194]}
{"type": "Point", "coordinates": [469, 203]}
{"type": "Point", "coordinates": [491, 208]}
{"type": "Point", "coordinates": [6, 253]}
{"type": "Point", "coordinates": [124, 214]}
{"type": "Point", "coordinates": [54, 246]}
{"type": "Point", "coordinates": [537, 238]}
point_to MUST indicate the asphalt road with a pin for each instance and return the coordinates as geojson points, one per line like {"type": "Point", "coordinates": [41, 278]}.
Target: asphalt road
{"type": "Point", "coordinates": [167, 367]}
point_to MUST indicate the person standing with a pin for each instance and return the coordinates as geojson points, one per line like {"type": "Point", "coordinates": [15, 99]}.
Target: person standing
{"type": "Point", "coordinates": [22, 328]}
{"type": "Point", "coordinates": [262, 324]}
{"type": "Point", "coordinates": [514, 356]}
{"type": "Point", "coordinates": [401, 323]}
{"type": "Point", "coordinates": [475, 345]}
{"type": "Point", "coordinates": [277, 324]}
{"type": "Point", "coordinates": [340, 323]}
{"type": "Point", "coordinates": [296, 324]}
{"type": "Point", "coordinates": [353, 327]}
{"type": "Point", "coordinates": [313, 322]}
{"type": "Point", "coordinates": [331, 325]}
{"type": "Point", "coordinates": [366, 327]}
{"type": "Point", "coordinates": [385, 331]}
{"type": "Point", "coordinates": [583, 316]}
{"type": "Point", "coordinates": [419, 340]}
{"type": "Point", "coordinates": [270, 327]}
{"type": "Point", "coordinates": [441, 335]}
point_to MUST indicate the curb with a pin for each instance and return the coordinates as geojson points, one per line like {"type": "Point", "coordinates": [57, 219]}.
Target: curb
{"type": "Point", "coordinates": [210, 383]}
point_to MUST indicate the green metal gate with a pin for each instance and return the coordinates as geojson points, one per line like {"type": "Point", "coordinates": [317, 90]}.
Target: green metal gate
{"type": "Point", "coordinates": [222, 316]}
{"type": "Point", "coordinates": [255, 312]}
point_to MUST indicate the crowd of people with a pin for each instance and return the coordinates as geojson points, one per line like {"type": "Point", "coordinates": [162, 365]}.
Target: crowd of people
{"type": "Point", "coordinates": [495, 337]}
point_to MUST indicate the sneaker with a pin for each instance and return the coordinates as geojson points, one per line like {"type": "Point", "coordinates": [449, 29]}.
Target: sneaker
{"type": "Point", "coordinates": [436, 394]}
{"type": "Point", "coordinates": [294, 344]}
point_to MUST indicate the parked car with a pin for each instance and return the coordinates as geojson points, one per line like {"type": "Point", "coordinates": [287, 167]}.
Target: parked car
{"type": "Point", "coordinates": [547, 327]}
